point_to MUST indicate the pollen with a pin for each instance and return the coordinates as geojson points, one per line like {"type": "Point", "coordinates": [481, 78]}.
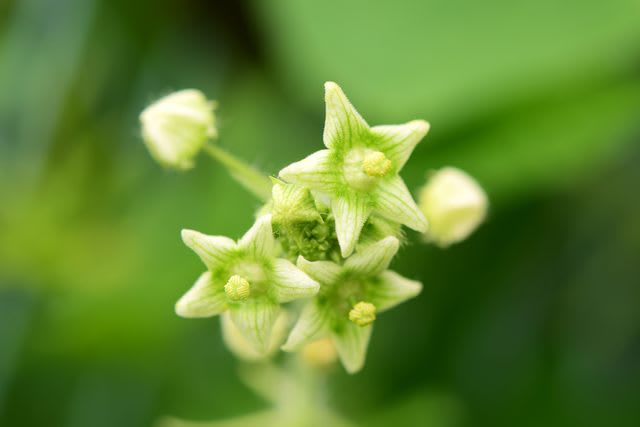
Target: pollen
{"type": "Point", "coordinates": [237, 288]}
{"type": "Point", "coordinates": [363, 313]}
{"type": "Point", "coordinates": [376, 164]}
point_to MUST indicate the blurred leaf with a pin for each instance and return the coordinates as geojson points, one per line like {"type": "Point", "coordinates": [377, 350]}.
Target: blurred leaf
{"type": "Point", "coordinates": [445, 60]}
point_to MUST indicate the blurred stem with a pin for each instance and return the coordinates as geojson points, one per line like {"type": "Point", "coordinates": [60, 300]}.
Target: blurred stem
{"type": "Point", "coordinates": [249, 177]}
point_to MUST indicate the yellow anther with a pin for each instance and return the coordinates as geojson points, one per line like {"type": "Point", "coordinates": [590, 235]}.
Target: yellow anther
{"type": "Point", "coordinates": [376, 164]}
{"type": "Point", "coordinates": [363, 313]}
{"type": "Point", "coordinates": [237, 288]}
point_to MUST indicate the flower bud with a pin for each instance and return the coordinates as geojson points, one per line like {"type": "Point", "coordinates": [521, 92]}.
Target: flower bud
{"type": "Point", "coordinates": [320, 354]}
{"type": "Point", "coordinates": [175, 127]}
{"type": "Point", "coordinates": [292, 204]}
{"type": "Point", "coordinates": [454, 205]}
{"type": "Point", "coordinates": [363, 313]}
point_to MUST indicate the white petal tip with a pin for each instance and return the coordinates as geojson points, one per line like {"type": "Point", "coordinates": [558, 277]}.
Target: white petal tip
{"type": "Point", "coordinates": [421, 125]}
{"type": "Point", "coordinates": [329, 86]}
{"type": "Point", "coordinates": [188, 235]}
{"type": "Point", "coordinates": [391, 242]}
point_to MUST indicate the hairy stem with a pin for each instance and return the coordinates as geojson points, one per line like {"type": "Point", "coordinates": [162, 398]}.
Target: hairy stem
{"type": "Point", "coordinates": [249, 177]}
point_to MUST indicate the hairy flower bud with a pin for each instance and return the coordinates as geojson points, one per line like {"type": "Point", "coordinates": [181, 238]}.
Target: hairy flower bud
{"type": "Point", "coordinates": [454, 205]}
{"type": "Point", "coordinates": [175, 127]}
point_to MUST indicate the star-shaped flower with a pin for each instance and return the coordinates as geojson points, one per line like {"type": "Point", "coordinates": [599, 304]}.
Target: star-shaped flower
{"type": "Point", "coordinates": [350, 297]}
{"type": "Point", "coordinates": [246, 279]}
{"type": "Point", "coordinates": [359, 169]}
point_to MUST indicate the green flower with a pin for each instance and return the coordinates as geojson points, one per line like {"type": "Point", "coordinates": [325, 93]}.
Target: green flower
{"type": "Point", "coordinates": [245, 279]}
{"type": "Point", "coordinates": [350, 297]}
{"type": "Point", "coordinates": [359, 169]}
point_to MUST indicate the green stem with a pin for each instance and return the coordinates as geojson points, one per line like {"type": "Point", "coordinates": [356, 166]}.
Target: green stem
{"type": "Point", "coordinates": [249, 177]}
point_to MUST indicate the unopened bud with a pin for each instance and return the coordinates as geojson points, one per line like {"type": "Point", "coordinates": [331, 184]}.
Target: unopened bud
{"type": "Point", "coordinates": [320, 354]}
{"type": "Point", "coordinates": [292, 204]}
{"type": "Point", "coordinates": [175, 127]}
{"type": "Point", "coordinates": [454, 204]}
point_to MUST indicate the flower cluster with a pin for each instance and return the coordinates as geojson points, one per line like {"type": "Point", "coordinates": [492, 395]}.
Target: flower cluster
{"type": "Point", "coordinates": [326, 234]}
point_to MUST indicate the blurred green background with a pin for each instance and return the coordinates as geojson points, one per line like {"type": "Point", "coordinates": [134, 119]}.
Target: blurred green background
{"type": "Point", "coordinates": [534, 321]}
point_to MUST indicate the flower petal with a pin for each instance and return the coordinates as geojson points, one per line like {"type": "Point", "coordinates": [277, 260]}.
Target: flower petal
{"type": "Point", "coordinates": [311, 325]}
{"type": "Point", "coordinates": [374, 258]}
{"type": "Point", "coordinates": [291, 283]}
{"type": "Point", "coordinates": [212, 250]}
{"type": "Point", "coordinates": [204, 299]}
{"type": "Point", "coordinates": [351, 342]}
{"type": "Point", "coordinates": [398, 141]}
{"type": "Point", "coordinates": [395, 203]}
{"type": "Point", "coordinates": [259, 241]}
{"type": "Point", "coordinates": [292, 203]}
{"type": "Point", "coordinates": [350, 212]}
{"type": "Point", "coordinates": [254, 319]}
{"type": "Point", "coordinates": [242, 348]}
{"type": "Point", "coordinates": [324, 272]}
{"type": "Point", "coordinates": [343, 124]}
{"type": "Point", "coordinates": [315, 171]}
{"type": "Point", "coordinates": [392, 289]}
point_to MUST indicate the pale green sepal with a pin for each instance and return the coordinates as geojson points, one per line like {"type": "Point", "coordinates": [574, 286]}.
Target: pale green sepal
{"type": "Point", "coordinates": [212, 250]}
{"type": "Point", "coordinates": [393, 289]}
{"type": "Point", "coordinates": [375, 258]}
{"type": "Point", "coordinates": [241, 347]}
{"type": "Point", "coordinates": [315, 171]}
{"type": "Point", "coordinates": [291, 283]}
{"type": "Point", "coordinates": [259, 241]}
{"type": "Point", "coordinates": [322, 271]}
{"type": "Point", "coordinates": [343, 124]}
{"type": "Point", "coordinates": [351, 342]}
{"type": "Point", "coordinates": [254, 319]}
{"type": "Point", "coordinates": [350, 212]}
{"type": "Point", "coordinates": [311, 325]}
{"type": "Point", "coordinates": [395, 203]}
{"type": "Point", "coordinates": [398, 141]}
{"type": "Point", "coordinates": [202, 300]}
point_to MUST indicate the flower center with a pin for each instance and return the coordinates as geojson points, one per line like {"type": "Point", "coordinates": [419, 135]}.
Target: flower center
{"type": "Point", "coordinates": [376, 164]}
{"type": "Point", "coordinates": [363, 313]}
{"type": "Point", "coordinates": [237, 288]}
{"type": "Point", "coordinates": [363, 167]}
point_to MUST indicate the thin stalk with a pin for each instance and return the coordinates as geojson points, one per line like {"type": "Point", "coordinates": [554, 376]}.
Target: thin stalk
{"type": "Point", "coordinates": [249, 177]}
